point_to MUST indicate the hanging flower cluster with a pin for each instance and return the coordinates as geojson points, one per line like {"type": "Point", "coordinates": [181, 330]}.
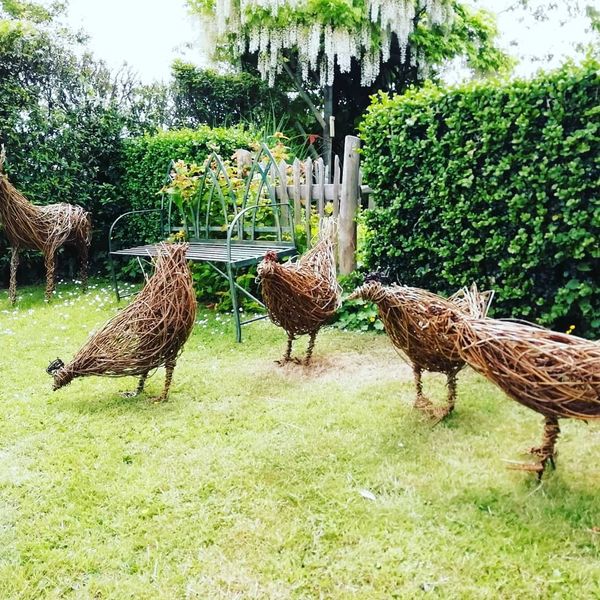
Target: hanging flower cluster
{"type": "Point", "coordinates": [320, 45]}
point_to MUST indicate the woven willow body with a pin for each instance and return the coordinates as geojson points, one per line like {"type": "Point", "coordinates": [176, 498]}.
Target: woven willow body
{"type": "Point", "coordinates": [554, 374]}
{"type": "Point", "coordinates": [302, 296]}
{"type": "Point", "coordinates": [147, 334]}
{"type": "Point", "coordinates": [408, 318]}
{"type": "Point", "coordinates": [43, 228]}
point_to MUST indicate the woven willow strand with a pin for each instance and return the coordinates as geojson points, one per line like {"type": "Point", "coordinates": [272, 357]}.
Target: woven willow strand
{"type": "Point", "coordinates": [43, 228]}
{"type": "Point", "coordinates": [302, 296]}
{"type": "Point", "coordinates": [147, 334]}
{"type": "Point", "coordinates": [406, 315]}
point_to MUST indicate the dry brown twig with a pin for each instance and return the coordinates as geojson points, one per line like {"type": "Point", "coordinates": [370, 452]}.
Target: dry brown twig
{"type": "Point", "coordinates": [43, 228]}
{"type": "Point", "coordinates": [301, 296]}
{"type": "Point", "coordinates": [406, 314]}
{"type": "Point", "coordinates": [147, 334]}
{"type": "Point", "coordinates": [554, 374]}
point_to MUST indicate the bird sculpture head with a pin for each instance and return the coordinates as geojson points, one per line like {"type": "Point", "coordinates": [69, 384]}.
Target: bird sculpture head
{"type": "Point", "coordinates": [268, 265]}
{"type": "Point", "coordinates": [271, 256]}
{"type": "Point", "coordinates": [56, 369]}
{"type": "Point", "coordinates": [373, 288]}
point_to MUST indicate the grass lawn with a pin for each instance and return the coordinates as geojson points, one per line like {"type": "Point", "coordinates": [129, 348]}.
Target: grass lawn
{"type": "Point", "coordinates": [256, 481]}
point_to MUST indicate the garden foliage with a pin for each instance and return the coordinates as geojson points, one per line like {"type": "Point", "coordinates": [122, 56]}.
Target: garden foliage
{"type": "Point", "coordinates": [495, 183]}
{"type": "Point", "coordinates": [202, 96]}
{"type": "Point", "coordinates": [63, 116]}
{"type": "Point", "coordinates": [146, 165]}
{"type": "Point", "coordinates": [145, 169]}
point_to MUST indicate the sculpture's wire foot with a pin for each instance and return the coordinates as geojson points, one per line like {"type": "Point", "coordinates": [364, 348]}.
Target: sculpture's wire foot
{"type": "Point", "coordinates": [130, 394]}
{"type": "Point", "coordinates": [546, 452]}
{"type": "Point", "coordinates": [424, 405]}
{"type": "Point", "coordinates": [158, 399]}
{"type": "Point", "coordinates": [538, 467]}
{"type": "Point", "coordinates": [439, 413]}
{"type": "Point", "coordinates": [288, 359]}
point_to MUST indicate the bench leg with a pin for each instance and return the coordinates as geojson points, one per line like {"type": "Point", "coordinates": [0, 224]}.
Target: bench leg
{"type": "Point", "coordinates": [114, 277]}
{"type": "Point", "coordinates": [234, 302]}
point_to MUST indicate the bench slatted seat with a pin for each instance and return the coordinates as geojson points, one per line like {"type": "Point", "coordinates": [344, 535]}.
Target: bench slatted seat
{"type": "Point", "coordinates": [222, 231]}
{"type": "Point", "coordinates": [207, 251]}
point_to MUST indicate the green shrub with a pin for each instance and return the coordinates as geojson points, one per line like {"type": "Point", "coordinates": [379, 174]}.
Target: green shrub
{"type": "Point", "coordinates": [495, 183]}
{"type": "Point", "coordinates": [202, 96]}
{"type": "Point", "coordinates": [62, 118]}
{"type": "Point", "coordinates": [146, 162]}
{"type": "Point", "coordinates": [145, 168]}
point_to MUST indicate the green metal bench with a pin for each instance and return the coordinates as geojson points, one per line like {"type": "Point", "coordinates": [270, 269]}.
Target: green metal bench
{"type": "Point", "coordinates": [224, 230]}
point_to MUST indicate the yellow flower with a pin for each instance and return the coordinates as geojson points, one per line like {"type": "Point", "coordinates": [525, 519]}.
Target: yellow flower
{"type": "Point", "coordinates": [570, 330]}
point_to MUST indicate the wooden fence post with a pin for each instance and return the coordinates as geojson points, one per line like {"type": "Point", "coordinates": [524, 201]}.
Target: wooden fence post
{"type": "Point", "coordinates": [349, 206]}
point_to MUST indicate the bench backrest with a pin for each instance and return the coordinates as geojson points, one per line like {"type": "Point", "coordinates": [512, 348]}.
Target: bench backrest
{"type": "Point", "coordinates": [244, 196]}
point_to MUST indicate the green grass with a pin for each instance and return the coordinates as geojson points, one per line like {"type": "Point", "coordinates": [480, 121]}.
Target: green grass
{"type": "Point", "coordinates": [256, 481]}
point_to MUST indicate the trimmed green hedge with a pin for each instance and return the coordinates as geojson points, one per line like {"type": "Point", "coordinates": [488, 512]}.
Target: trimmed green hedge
{"type": "Point", "coordinates": [495, 183]}
{"type": "Point", "coordinates": [145, 164]}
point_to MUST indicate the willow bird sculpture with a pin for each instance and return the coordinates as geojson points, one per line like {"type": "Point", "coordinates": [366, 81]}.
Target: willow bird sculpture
{"type": "Point", "coordinates": [149, 333]}
{"type": "Point", "coordinates": [406, 314]}
{"type": "Point", "coordinates": [554, 374]}
{"type": "Point", "coordinates": [43, 228]}
{"type": "Point", "coordinates": [302, 296]}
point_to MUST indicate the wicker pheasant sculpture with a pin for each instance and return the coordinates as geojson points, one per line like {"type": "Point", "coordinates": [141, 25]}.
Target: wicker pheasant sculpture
{"type": "Point", "coordinates": [43, 228]}
{"type": "Point", "coordinates": [302, 296]}
{"type": "Point", "coordinates": [147, 334]}
{"type": "Point", "coordinates": [554, 374]}
{"type": "Point", "coordinates": [406, 314]}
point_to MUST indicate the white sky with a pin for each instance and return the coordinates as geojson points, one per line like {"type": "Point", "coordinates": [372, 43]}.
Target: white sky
{"type": "Point", "coordinates": [522, 36]}
{"type": "Point", "coordinates": [146, 34]}
{"type": "Point", "coordinates": [150, 34]}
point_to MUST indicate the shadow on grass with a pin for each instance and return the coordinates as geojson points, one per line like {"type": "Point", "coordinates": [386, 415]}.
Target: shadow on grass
{"type": "Point", "coordinates": [110, 401]}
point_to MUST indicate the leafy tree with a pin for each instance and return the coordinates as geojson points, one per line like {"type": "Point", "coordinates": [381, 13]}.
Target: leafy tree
{"type": "Point", "coordinates": [345, 50]}
{"type": "Point", "coordinates": [30, 11]}
{"type": "Point", "coordinates": [63, 116]}
{"type": "Point", "coordinates": [204, 96]}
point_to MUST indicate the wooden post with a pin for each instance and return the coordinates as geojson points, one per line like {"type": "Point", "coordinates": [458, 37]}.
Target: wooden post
{"type": "Point", "coordinates": [336, 186]}
{"type": "Point", "coordinates": [320, 188]}
{"type": "Point", "coordinates": [308, 173]}
{"type": "Point", "coordinates": [297, 193]}
{"type": "Point", "coordinates": [283, 194]}
{"type": "Point", "coordinates": [349, 206]}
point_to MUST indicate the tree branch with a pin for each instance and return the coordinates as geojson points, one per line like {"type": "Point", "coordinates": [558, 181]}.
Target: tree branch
{"type": "Point", "coordinates": [304, 95]}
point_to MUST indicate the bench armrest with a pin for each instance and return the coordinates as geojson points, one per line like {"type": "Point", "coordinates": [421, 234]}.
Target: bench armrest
{"type": "Point", "coordinates": [128, 214]}
{"type": "Point", "coordinates": [233, 228]}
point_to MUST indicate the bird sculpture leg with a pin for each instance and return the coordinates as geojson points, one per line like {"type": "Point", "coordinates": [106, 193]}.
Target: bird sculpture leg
{"type": "Point", "coordinates": [310, 347]}
{"type": "Point", "coordinates": [49, 262]}
{"type": "Point", "coordinates": [287, 357]}
{"type": "Point", "coordinates": [422, 403]}
{"type": "Point", "coordinates": [546, 452]}
{"type": "Point", "coordinates": [14, 263]}
{"type": "Point", "coordinates": [140, 387]}
{"type": "Point", "coordinates": [83, 264]}
{"type": "Point", "coordinates": [442, 412]}
{"type": "Point", "coordinates": [169, 367]}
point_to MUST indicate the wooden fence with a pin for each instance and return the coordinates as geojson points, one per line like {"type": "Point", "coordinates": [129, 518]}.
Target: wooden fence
{"type": "Point", "coordinates": [335, 191]}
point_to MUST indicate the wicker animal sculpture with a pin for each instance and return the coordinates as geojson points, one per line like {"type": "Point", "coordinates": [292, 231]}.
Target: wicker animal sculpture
{"type": "Point", "coordinates": [302, 296]}
{"type": "Point", "coordinates": [405, 312]}
{"type": "Point", "coordinates": [554, 374]}
{"type": "Point", "coordinates": [149, 333]}
{"type": "Point", "coordinates": [43, 228]}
